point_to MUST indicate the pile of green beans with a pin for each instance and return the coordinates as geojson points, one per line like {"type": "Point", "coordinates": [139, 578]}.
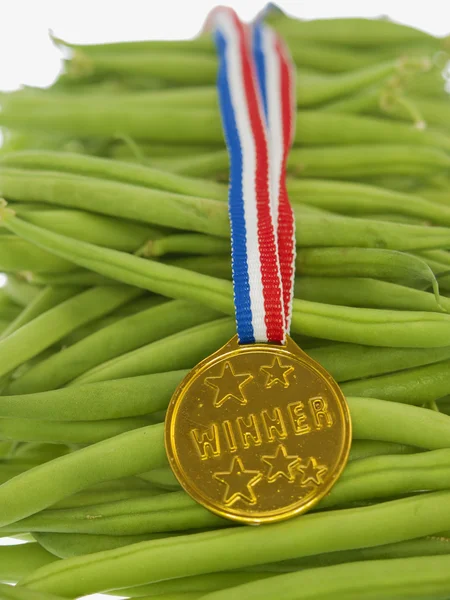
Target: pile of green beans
{"type": "Point", "coordinates": [115, 241]}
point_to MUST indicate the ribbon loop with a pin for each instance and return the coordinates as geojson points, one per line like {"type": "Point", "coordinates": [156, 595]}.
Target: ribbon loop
{"type": "Point", "coordinates": [256, 92]}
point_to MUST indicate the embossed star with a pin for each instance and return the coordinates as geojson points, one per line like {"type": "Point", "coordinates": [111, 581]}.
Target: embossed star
{"type": "Point", "coordinates": [312, 472]}
{"type": "Point", "coordinates": [281, 464]}
{"type": "Point", "coordinates": [239, 482]}
{"type": "Point", "coordinates": [277, 373]}
{"type": "Point", "coordinates": [228, 385]}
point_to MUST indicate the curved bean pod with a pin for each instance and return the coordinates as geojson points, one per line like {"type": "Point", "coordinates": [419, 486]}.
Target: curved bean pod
{"type": "Point", "coordinates": [57, 322]}
{"type": "Point", "coordinates": [182, 350]}
{"type": "Point", "coordinates": [16, 254]}
{"type": "Point", "coordinates": [210, 552]}
{"type": "Point", "coordinates": [368, 293]}
{"type": "Point", "coordinates": [143, 450]}
{"type": "Point", "coordinates": [96, 401]}
{"type": "Point", "coordinates": [123, 335]}
{"type": "Point", "coordinates": [75, 432]}
{"type": "Point", "coordinates": [20, 560]}
{"type": "Point", "coordinates": [146, 205]}
{"type": "Point", "coordinates": [48, 298]}
{"type": "Point", "coordinates": [114, 170]}
{"type": "Point", "coordinates": [371, 327]}
{"type": "Point", "coordinates": [358, 199]}
{"type": "Point", "coordinates": [9, 592]}
{"type": "Point", "coordinates": [418, 385]}
{"type": "Point", "coordinates": [66, 545]}
{"type": "Point", "coordinates": [393, 579]}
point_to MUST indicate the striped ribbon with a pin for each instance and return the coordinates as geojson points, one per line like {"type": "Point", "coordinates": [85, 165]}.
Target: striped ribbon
{"type": "Point", "coordinates": [256, 92]}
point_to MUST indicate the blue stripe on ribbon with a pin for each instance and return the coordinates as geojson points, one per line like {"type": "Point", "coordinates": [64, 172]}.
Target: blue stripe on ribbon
{"type": "Point", "coordinates": [235, 202]}
{"type": "Point", "coordinates": [260, 62]}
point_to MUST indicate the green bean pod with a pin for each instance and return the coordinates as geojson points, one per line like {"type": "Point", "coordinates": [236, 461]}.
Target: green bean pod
{"type": "Point", "coordinates": [367, 262]}
{"type": "Point", "coordinates": [204, 553]}
{"type": "Point", "coordinates": [18, 561]}
{"type": "Point", "coordinates": [75, 432]}
{"type": "Point", "coordinates": [105, 196]}
{"type": "Point", "coordinates": [417, 385]}
{"type": "Point", "coordinates": [371, 327]}
{"type": "Point", "coordinates": [120, 337]}
{"type": "Point", "coordinates": [96, 401]}
{"type": "Point", "coordinates": [91, 166]}
{"type": "Point", "coordinates": [9, 592]}
{"type": "Point", "coordinates": [142, 450]}
{"type": "Point", "coordinates": [352, 32]}
{"type": "Point", "coordinates": [366, 479]}
{"type": "Point", "coordinates": [395, 579]}
{"type": "Point", "coordinates": [57, 322]}
{"type": "Point", "coordinates": [66, 545]}
{"type": "Point", "coordinates": [182, 350]}
{"type": "Point", "coordinates": [369, 293]}
{"type": "Point", "coordinates": [359, 199]}
{"type": "Point", "coordinates": [48, 298]}
{"type": "Point", "coordinates": [17, 255]}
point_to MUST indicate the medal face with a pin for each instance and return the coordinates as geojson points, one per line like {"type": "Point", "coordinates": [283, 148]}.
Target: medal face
{"type": "Point", "coordinates": [258, 433]}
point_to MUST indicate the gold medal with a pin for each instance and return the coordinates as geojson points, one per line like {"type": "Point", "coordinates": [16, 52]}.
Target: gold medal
{"type": "Point", "coordinates": [258, 433]}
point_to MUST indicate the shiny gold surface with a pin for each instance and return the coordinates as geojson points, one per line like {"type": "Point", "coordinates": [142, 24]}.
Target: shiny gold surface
{"type": "Point", "coordinates": [258, 433]}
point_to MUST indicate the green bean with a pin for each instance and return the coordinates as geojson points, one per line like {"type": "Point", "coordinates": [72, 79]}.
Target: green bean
{"type": "Point", "coordinates": [9, 310]}
{"type": "Point", "coordinates": [96, 401]}
{"type": "Point", "coordinates": [96, 229]}
{"type": "Point", "coordinates": [343, 162]}
{"type": "Point", "coordinates": [139, 450]}
{"type": "Point", "coordinates": [17, 255]}
{"type": "Point", "coordinates": [211, 216]}
{"type": "Point", "coordinates": [383, 476]}
{"type": "Point", "coordinates": [365, 448]}
{"type": "Point", "coordinates": [19, 291]}
{"type": "Point", "coordinates": [75, 432]}
{"type": "Point", "coordinates": [374, 419]}
{"type": "Point", "coordinates": [90, 497]}
{"type": "Point", "coordinates": [180, 69]}
{"type": "Point", "coordinates": [17, 561]}
{"type": "Point", "coordinates": [353, 361]}
{"type": "Point", "coordinates": [200, 44]}
{"type": "Point", "coordinates": [175, 511]}
{"type": "Point", "coordinates": [8, 592]}
{"type": "Point", "coordinates": [181, 350]}
{"type": "Point", "coordinates": [142, 450]}
{"type": "Point", "coordinates": [369, 293]}
{"type": "Point", "coordinates": [358, 199]}
{"type": "Point", "coordinates": [117, 339]}
{"type": "Point", "coordinates": [66, 545]}
{"type": "Point", "coordinates": [236, 548]}
{"type": "Point", "coordinates": [163, 478]}
{"type": "Point", "coordinates": [419, 577]}
{"type": "Point", "coordinates": [73, 277]}
{"type": "Point", "coordinates": [106, 197]}
{"type": "Point", "coordinates": [215, 266]}
{"type": "Point", "coordinates": [187, 244]}
{"type": "Point", "coordinates": [48, 298]}
{"type": "Point", "coordinates": [332, 162]}
{"type": "Point", "coordinates": [366, 479]}
{"type": "Point", "coordinates": [433, 111]}
{"type": "Point", "coordinates": [318, 128]}
{"type": "Point", "coordinates": [199, 583]}
{"type": "Point", "coordinates": [367, 262]}
{"type": "Point", "coordinates": [370, 327]}
{"type": "Point", "coordinates": [29, 340]}
{"type": "Point", "coordinates": [352, 32]}
{"type": "Point", "coordinates": [114, 171]}
{"type": "Point", "coordinates": [413, 386]}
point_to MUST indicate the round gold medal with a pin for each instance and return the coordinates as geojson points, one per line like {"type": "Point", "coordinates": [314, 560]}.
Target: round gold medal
{"type": "Point", "coordinates": [258, 433]}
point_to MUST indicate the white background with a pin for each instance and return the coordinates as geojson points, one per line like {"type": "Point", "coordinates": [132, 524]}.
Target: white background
{"type": "Point", "coordinates": [27, 55]}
